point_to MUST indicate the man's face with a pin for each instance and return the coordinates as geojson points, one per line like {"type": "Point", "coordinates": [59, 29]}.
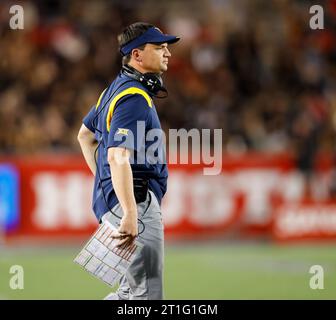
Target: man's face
{"type": "Point", "coordinates": [154, 57]}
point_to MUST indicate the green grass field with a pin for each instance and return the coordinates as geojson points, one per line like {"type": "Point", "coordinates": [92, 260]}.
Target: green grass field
{"type": "Point", "coordinates": [221, 271]}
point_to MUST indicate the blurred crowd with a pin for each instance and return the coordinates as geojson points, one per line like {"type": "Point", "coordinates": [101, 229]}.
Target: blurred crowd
{"type": "Point", "coordinates": [253, 68]}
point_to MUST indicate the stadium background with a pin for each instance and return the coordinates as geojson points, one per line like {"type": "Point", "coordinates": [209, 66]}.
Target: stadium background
{"type": "Point", "coordinates": [252, 68]}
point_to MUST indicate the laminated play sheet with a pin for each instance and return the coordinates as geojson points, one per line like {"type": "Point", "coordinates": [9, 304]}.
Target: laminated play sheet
{"type": "Point", "coordinates": [103, 259]}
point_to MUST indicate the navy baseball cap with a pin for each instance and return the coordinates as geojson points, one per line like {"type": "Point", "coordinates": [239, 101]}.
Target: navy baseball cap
{"type": "Point", "coordinates": [152, 35]}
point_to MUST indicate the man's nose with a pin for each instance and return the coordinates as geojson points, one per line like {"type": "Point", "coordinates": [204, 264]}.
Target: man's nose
{"type": "Point", "coordinates": [167, 53]}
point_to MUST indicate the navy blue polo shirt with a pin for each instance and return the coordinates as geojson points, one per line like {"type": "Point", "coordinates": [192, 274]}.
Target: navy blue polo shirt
{"type": "Point", "coordinates": [125, 116]}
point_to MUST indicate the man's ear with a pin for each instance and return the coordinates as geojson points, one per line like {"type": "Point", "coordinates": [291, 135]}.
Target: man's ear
{"type": "Point", "coordinates": [136, 55]}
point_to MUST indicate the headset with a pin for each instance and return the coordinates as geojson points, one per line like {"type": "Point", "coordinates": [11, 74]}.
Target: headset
{"type": "Point", "coordinates": [154, 84]}
{"type": "Point", "coordinates": [151, 81]}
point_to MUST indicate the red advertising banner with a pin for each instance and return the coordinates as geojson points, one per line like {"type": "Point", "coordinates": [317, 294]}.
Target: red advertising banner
{"type": "Point", "coordinates": [55, 199]}
{"type": "Point", "coordinates": [304, 220]}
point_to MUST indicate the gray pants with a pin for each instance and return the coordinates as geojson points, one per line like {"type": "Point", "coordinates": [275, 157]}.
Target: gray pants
{"type": "Point", "coordinates": [144, 277]}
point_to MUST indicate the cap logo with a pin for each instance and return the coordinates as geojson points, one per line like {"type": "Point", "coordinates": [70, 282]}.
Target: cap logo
{"type": "Point", "coordinates": [156, 28]}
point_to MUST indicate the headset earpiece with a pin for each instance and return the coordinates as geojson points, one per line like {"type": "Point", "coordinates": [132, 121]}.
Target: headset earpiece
{"type": "Point", "coordinates": [151, 81]}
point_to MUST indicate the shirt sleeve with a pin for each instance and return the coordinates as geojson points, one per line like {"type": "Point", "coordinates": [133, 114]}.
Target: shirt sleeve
{"type": "Point", "coordinates": [89, 118]}
{"type": "Point", "coordinates": [128, 124]}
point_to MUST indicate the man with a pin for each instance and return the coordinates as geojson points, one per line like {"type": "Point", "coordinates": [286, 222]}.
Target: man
{"type": "Point", "coordinates": [128, 186]}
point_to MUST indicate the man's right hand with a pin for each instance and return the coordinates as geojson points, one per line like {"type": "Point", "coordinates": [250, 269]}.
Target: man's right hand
{"type": "Point", "coordinates": [128, 229]}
